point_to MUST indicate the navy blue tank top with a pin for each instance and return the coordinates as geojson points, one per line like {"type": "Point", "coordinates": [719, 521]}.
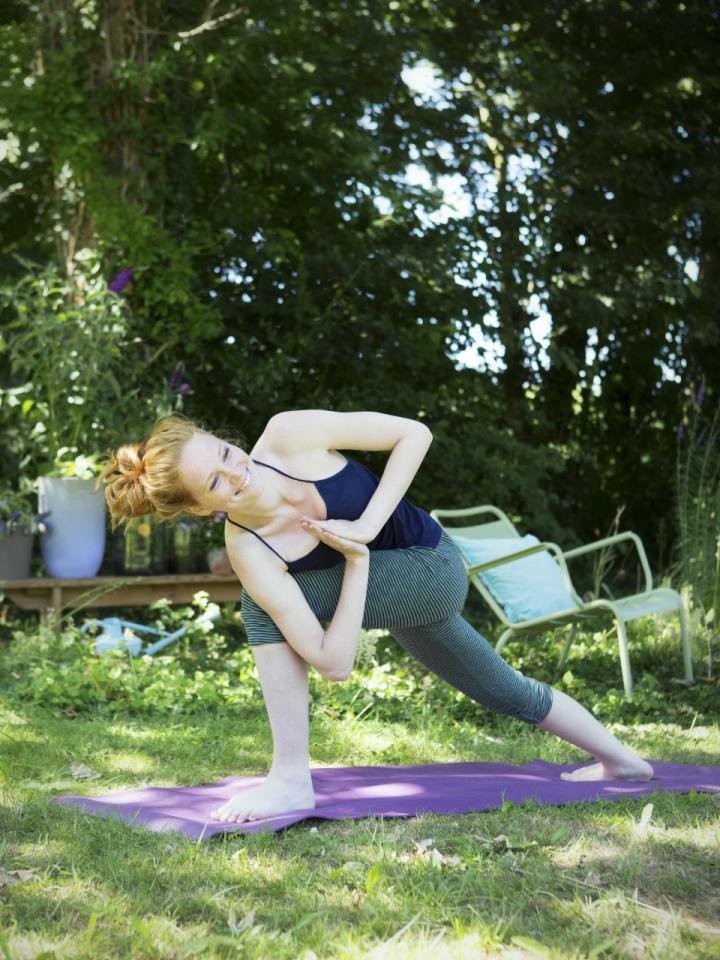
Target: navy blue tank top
{"type": "Point", "coordinates": [346, 494]}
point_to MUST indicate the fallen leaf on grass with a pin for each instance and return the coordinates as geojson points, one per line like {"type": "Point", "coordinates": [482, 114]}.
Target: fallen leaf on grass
{"type": "Point", "coordinates": [9, 877]}
{"type": "Point", "coordinates": [425, 851]}
{"type": "Point", "coordinates": [645, 816]}
{"type": "Point", "coordinates": [81, 772]}
{"type": "Point", "coordinates": [247, 922]}
{"type": "Point", "coordinates": [501, 842]}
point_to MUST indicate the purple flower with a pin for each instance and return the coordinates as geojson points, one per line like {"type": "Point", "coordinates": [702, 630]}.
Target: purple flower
{"type": "Point", "coordinates": [185, 387]}
{"type": "Point", "coordinates": [15, 515]}
{"type": "Point", "coordinates": [701, 437]}
{"type": "Point", "coordinates": [680, 432]}
{"type": "Point", "coordinates": [121, 280]}
{"type": "Point", "coordinates": [700, 396]}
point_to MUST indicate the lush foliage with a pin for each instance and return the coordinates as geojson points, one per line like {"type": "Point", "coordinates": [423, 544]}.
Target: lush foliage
{"type": "Point", "coordinates": [275, 181]}
{"type": "Point", "coordinates": [212, 668]}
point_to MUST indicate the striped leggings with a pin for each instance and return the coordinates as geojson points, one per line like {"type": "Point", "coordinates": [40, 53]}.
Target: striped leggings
{"type": "Point", "coordinates": [417, 594]}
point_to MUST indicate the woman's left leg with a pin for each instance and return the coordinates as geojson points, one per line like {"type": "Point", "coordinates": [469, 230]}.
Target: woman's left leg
{"type": "Point", "coordinates": [572, 722]}
{"type": "Point", "coordinates": [455, 651]}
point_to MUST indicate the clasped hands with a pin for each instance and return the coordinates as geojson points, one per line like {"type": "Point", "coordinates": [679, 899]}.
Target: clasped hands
{"type": "Point", "coordinates": [346, 536]}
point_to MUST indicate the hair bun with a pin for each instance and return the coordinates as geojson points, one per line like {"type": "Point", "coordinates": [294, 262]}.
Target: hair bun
{"type": "Point", "coordinates": [130, 461]}
{"type": "Point", "coordinates": [138, 468]}
{"type": "Point", "coordinates": [143, 477]}
{"type": "Point", "coordinates": [125, 495]}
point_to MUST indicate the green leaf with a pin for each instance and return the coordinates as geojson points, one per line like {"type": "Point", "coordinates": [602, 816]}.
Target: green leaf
{"type": "Point", "coordinates": [536, 948]}
{"type": "Point", "coordinates": [600, 948]}
{"type": "Point", "coordinates": [373, 878]}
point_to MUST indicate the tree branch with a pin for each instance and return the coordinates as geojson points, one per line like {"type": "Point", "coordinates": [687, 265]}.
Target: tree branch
{"type": "Point", "coordinates": [211, 24]}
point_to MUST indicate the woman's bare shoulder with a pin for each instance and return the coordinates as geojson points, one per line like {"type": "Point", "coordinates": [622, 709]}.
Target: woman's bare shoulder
{"type": "Point", "coordinates": [289, 453]}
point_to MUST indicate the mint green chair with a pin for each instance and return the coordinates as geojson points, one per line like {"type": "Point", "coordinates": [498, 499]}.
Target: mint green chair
{"type": "Point", "coordinates": [527, 585]}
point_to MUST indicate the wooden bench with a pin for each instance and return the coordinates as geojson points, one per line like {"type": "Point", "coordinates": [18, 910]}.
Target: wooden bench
{"type": "Point", "coordinates": [52, 594]}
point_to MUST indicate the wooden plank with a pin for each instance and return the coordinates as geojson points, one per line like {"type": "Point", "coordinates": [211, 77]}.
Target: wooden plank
{"type": "Point", "coordinates": [36, 593]}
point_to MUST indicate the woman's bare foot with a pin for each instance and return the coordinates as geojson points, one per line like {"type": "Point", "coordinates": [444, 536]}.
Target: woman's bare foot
{"type": "Point", "coordinates": [271, 798]}
{"type": "Point", "coordinates": [635, 769]}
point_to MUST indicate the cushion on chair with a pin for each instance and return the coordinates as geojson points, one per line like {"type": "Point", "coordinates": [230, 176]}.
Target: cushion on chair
{"type": "Point", "coordinates": [525, 589]}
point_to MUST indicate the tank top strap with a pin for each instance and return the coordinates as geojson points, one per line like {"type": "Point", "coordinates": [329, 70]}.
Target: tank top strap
{"type": "Point", "coordinates": [278, 470]}
{"type": "Point", "coordinates": [258, 536]}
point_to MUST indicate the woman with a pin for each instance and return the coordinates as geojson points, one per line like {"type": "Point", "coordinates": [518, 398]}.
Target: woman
{"type": "Point", "coordinates": [315, 536]}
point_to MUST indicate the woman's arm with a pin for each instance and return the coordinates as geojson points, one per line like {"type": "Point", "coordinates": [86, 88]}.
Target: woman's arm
{"type": "Point", "coordinates": [408, 440]}
{"type": "Point", "coordinates": [341, 637]}
{"type": "Point", "coordinates": [331, 652]}
{"type": "Point", "coordinates": [400, 469]}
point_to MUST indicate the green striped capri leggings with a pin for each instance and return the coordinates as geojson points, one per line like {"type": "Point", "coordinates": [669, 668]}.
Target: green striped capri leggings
{"type": "Point", "coordinates": [417, 594]}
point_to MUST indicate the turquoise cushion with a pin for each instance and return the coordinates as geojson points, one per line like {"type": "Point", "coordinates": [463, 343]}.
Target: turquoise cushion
{"type": "Point", "coordinates": [525, 589]}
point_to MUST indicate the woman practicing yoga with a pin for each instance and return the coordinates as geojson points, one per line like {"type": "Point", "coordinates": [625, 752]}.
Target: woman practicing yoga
{"type": "Point", "coordinates": [315, 536]}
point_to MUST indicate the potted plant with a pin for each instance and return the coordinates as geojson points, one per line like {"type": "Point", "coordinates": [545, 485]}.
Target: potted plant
{"type": "Point", "coordinates": [91, 384]}
{"type": "Point", "coordinates": [18, 525]}
{"type": "Point", "coordinates": [66, 338]}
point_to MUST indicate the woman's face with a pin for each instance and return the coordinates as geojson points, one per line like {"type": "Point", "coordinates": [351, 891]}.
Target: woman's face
{"type": "Point", "coordinates": [218, 474]}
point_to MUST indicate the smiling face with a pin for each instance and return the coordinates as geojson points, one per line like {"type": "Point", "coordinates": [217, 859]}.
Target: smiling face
{"type": "Point", "coordinates": [218, 474]}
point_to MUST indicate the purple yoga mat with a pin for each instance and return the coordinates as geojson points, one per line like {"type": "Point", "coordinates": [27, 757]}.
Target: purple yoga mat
{"type": "Point", "coordinates": [353, 792]}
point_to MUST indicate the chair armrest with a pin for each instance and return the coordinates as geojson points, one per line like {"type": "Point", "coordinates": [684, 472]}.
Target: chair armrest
{"type": "Point", "coordinates": [519, 554]}
{"type": "Point", "coordinates": [599, 544]}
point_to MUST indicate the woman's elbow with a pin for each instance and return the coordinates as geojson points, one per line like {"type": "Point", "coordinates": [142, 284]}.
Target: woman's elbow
{"type": "Point", "coordinates": [337, 676]}
{"type": "Point", "coordinates": [425, 429]}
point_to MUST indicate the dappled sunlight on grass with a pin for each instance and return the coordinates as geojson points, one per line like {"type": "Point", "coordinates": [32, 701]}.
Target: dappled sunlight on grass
{"type": "Point", "coordinates": [28, 946]}
{"type": "Point", "coordinates": [129, 763]}
{"type": "Point", "coordinates": [460, 886]}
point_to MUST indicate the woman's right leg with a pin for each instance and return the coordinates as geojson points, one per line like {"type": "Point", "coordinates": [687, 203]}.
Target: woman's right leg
{"type": "Point", "coordinates": [288, 786]}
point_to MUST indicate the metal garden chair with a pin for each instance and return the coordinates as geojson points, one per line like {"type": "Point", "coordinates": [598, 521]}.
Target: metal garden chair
{"type": "Point", "coordinates": [568, 611]}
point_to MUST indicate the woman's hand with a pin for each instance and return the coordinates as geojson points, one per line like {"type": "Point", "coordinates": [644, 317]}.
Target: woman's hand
{"type": "Point", "coordinates": [358, 530]}
{"type": "Point", "coordinates": [352, 550]}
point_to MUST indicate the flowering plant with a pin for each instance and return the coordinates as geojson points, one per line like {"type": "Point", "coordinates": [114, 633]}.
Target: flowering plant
{"type": "Point", "coordinates": [17, 514]}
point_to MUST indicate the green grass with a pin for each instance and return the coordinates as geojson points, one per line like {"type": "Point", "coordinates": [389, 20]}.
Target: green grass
{"type": "Point", "coordinates": [585, 880]}
{"type": "Point", "coordinates": [574, 878]}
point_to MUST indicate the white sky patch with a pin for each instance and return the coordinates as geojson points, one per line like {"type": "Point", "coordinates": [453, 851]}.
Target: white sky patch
{"type": "Point", "coordinates": [457, 202]}
{"type": "Point", "coordinates": [423, 79]}
{"type": "Point", "coordinates": [486, 353]}
{"type": "Point", "coordinates": [418, 176]}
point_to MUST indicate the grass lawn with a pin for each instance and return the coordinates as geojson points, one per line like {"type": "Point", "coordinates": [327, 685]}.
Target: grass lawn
{"type": "Point", "coordinates": [586, 880]}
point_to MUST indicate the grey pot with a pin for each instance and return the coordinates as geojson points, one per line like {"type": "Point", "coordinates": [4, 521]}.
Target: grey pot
{"type": "Point", "coordinates": [15, 554]}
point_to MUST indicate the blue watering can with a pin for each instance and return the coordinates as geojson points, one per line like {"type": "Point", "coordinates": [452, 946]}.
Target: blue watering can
{"type": "Point", "coordinates": [113, 633]}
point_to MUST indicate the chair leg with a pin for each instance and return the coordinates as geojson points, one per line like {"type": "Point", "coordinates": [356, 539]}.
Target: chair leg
{"type": "Point", "coordinates": [685, 640]}
{"type": "Point", "coordinates": [566, 649]}
{"type": "Point", "coordinates": [624, 657]}
{"type": "Point", "coordinates": [503, 640]}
